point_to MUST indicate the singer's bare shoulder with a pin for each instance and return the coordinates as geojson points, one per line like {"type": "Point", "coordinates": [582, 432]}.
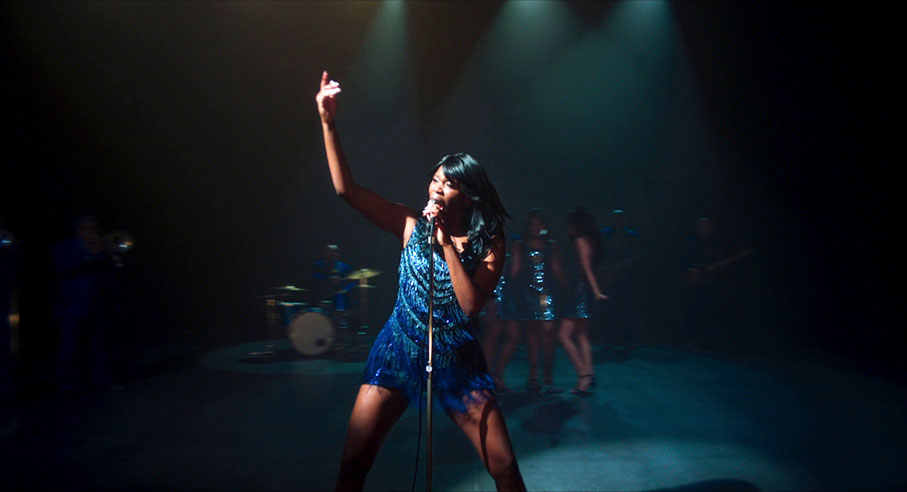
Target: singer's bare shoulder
{"type": "Point", "coordinates": [411, 222]}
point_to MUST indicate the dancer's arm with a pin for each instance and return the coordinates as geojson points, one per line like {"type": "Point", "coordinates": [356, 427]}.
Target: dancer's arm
{"type": "Point", "coordinates": [396, 218]}
{"type": "Point", "coordinates": [584, 251]}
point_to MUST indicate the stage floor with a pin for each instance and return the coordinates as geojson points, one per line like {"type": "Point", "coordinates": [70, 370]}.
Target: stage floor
{"type": "Point", "coordinates": [260, 416]}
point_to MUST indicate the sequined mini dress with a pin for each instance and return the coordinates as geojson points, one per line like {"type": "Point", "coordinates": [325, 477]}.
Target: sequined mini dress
{"type": "Point", "coordinates": [398, 358]}
{"type": "Point", "coordinates": [578, 299]}
{"type": "Point", "coordinates": [537, 284]}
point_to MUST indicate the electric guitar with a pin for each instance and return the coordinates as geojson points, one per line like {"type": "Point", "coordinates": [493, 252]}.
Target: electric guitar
{"type": "Point", "coordinates": [699, 275]}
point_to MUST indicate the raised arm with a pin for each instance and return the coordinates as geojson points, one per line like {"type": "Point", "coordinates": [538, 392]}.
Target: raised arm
{"type": "Point", "coordinates": [396, 218]}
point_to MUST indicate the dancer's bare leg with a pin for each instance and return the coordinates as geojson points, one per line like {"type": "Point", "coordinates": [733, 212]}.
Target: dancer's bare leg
{"type": "Point", "coordinates": [532, 350]}
{"type": "Point", "coordinates": [512, 329]}
{"type": "Point", "coordinates": [585, 346]}
{"type": "Point", "coordinates": [484, 425]}
{"type": "Point", "coordinates": [565, 336]}
{"type": "Point", "coordinates": [548, 337]}
{"type": "Point", "coordinates": [376, 410]}
{"type": "Point", "coordinates": [573, 335]}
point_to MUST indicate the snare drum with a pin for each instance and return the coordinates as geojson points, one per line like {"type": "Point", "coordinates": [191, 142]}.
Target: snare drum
{"type": "Point", "coordinates": [312, 333]}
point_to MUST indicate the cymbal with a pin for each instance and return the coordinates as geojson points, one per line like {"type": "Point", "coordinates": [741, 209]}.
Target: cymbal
{"type": "Point", "coordinates": [363, 273]}
{"type": "Point", "coordinates": [289, 288]}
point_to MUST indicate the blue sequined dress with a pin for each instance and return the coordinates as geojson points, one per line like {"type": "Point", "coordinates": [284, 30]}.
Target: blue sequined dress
{"type": "Point", "coordinates": [398, 357]}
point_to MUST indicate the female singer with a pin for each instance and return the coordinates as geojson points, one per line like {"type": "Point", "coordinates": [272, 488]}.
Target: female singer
{"type": "Point", "coordinates": [574, 330]}
{"type": "Point", "coordinates": [469, 231]}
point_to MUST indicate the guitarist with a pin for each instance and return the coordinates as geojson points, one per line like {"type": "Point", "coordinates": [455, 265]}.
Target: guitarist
{"type": "Point", "coordinates": [705, 259]}
{"type": "Point", "coordinates": [621, 249]}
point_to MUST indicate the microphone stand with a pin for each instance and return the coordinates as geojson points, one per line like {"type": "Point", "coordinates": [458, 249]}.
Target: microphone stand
{"type": "Point", "coordinates": [428, 367]}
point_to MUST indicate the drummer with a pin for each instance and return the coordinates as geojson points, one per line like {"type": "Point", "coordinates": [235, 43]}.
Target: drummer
{"type": "Point", "coordinates": [329, 282]}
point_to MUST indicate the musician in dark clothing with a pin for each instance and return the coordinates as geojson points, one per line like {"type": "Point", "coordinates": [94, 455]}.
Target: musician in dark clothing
{"type": "Point", "coordinates": [621, 252]}
{"type": "Point", "coordinates": [7, 276]}
{"type": "Point", "coordinates": [702, 255]}
{"type": "Point", "coordinates": [329, 281]}
{"type": "Point", "coordinates": [84, 308]}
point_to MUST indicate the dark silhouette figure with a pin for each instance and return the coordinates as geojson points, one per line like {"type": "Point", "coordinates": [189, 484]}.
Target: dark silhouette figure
{"type": "Point", "coordinates": [619, 279]}
{"type": "Point", "coordinates": [85, 308]}
{"type": "Point", "coordinates": [706, 259]}
{"type": "Point", "coordinates": [7, 281]}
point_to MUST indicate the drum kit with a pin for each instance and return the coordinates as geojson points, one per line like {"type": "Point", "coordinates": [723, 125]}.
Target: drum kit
{"type": "Point", "coordinates": [319, 326]}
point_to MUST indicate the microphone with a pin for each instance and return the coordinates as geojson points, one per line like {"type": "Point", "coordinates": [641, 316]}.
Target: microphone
{"type": "Point", "coordinates": [432, 201]}
{"type": "Point", "coordinates": [431, 221]}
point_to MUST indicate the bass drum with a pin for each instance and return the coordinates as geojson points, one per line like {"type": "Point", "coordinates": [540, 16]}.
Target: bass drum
{"type": "Point", "coordinates": [312, 333]}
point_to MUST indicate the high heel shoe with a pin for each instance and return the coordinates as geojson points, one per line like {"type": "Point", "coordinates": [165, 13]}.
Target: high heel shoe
{"type": "Point", "coordinates": [579, 390]}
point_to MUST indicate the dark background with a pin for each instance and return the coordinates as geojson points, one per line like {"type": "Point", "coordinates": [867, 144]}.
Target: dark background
{"type": "Point", "coordinates": [193, 127]}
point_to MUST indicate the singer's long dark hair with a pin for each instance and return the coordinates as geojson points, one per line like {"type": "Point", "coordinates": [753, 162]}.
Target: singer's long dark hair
{"type": "Point", "coordinates": [486, 215]}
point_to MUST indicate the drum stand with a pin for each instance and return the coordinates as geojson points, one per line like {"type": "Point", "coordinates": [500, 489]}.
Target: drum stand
{"type": "Point", "coordinates": [353, 341]}
{"type": "Point", "coordinates": [272, 318]}
{"type": "Point", "coordinates": [363, 312]}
